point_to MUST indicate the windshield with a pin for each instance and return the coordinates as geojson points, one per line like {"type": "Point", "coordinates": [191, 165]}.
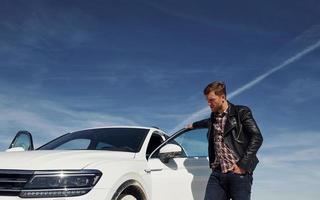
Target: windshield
{"type": "Point", "coordinates": [113, 139]}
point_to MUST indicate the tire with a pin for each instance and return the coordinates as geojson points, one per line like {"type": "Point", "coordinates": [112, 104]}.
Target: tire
{"type": "Point", "coordinates": [127, 197]}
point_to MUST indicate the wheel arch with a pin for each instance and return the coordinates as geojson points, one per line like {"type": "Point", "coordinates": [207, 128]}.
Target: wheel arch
{"type": "Point", "coordinates": [132, 187]}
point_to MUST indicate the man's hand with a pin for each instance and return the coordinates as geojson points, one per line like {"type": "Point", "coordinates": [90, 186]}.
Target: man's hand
{"type": "Point", "coordinates": [237, 170]}
{"type": "Point", "coordinates": [189, 126]}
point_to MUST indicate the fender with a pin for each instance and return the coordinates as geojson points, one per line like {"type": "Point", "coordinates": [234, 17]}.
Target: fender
{"type": "Point", "coordinates": [132, 186]}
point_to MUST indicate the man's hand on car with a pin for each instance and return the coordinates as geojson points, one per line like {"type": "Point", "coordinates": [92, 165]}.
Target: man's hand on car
{"type": "Point", "coordinates": [189, 126]}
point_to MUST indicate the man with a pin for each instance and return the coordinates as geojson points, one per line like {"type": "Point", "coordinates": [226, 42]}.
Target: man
{"type": "Point", "coordinates": [234, 139]}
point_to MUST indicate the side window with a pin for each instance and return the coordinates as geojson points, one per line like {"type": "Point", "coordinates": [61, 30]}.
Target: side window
{"type": "Point", "coordinates": [193, 142]}
{"type": "Point", "coordinates": [154, 142]}
{"type": "Point", "coordinates": [22, 139]}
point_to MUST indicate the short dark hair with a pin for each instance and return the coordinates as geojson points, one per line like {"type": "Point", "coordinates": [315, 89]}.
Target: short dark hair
{"type": "Point", "coordinates": [218, 87]}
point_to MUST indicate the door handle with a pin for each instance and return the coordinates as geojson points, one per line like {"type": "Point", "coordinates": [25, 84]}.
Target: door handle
{"type": "Point", "coordinates": [152, 170]}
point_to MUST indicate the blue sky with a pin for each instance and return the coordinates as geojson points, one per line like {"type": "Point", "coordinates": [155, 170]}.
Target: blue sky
{"type": "Point", "coordinates": [67, 65]}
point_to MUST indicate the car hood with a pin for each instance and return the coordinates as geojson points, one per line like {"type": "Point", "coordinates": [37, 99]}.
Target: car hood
{"type": "Point", "coordinates": [59, 159]}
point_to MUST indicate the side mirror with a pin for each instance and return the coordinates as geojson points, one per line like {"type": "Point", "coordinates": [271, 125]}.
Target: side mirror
{"type": "Point", "coordinates": [169, 151]}
{"type": "Point", "coordinates": [22, 140]}
{"type": "Point", "coordinates": [15, 149]}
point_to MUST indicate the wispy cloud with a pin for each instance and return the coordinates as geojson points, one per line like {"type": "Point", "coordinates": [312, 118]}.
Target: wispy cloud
{"type": "Point", "coordinates": [302, 89]}
{"type": "Point", "coordinates": [47, 119]}
{"type": "Point", "coordinates": [203, 12]}
{"type": "Point", "coordinates": [289, 162]}
{"type": "Point", "coordinates": [314, 33]}
{"type": "Point", "coordinates": [292, 150]}
{"type": "Point", "coordinates": [179, 12]}
{"type": "Point", "coordinates": [289, 138]}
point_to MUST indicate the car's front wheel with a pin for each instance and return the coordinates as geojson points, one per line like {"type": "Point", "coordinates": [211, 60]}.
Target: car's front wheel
{"type": "Point", "coordinates": [127, 197]}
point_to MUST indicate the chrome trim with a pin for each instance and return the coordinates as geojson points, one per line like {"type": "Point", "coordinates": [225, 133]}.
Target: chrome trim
{"type": "Point", "coordinates": [81, 171]}
{"type": "Point", "coordinates": [9, 190]}
{"type": "Point", "coordinates": [12, 180]}
{"type": "Point", "coordinates": [62, 175]}
{"type": "Point", "coordinates": [15, 172]}
{"type": "Point", "coordinates": [61, 189]}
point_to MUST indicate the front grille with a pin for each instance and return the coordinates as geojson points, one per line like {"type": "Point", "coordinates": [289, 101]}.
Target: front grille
{"type": "Point", "coordinates": [13, 181]}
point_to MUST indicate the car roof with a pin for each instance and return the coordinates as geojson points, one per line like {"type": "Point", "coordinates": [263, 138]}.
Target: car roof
{"type": "Point", "coordinates": [125, 126]}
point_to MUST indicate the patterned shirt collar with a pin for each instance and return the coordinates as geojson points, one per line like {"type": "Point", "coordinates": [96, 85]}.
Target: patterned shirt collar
{"type": "Point", "coordinates": [221, 115]}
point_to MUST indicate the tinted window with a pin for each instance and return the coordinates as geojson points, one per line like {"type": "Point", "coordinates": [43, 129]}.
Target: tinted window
{"type": "Point", "coordinates": [154, 142]}
{"type": "Point", "coordinates": [22, 140]}
{"type": "Point", "coordinates": [193, 142]}
{"type": "Point", "coordinates": [113, 139]}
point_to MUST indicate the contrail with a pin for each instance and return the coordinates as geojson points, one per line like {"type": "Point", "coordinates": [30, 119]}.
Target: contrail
{"type": "Point", "coordinates": [275, 69]}
{"type": "Point", "coordinates": [206, 110]}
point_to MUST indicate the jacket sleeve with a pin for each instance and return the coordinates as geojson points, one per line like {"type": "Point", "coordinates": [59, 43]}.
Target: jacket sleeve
{"type": "Point", "coordinates": [253, 133]}
{"type": "Point", "coordinates": [201, 124]}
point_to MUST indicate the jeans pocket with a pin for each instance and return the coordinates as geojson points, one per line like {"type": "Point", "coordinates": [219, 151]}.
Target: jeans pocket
{"type": "Point", "coordinates": [250, 179]}
{"type": "Point", "coordinates": [240, 175]}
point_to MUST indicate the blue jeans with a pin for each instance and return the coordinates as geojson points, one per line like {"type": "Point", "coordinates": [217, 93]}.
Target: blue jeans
{"type": "Point", "coordinates": [223, 186]}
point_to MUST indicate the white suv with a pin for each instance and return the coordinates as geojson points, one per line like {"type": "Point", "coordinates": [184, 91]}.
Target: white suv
{"type": "Point", "coordinates": [111, 163]}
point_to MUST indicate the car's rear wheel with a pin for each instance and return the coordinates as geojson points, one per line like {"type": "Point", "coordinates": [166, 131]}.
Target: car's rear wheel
{"type": "Point", "coordinates": [127, 197]}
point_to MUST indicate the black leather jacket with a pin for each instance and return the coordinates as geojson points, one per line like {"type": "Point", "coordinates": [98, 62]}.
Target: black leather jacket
{"type": "Point", "coordinates": [241, 134]}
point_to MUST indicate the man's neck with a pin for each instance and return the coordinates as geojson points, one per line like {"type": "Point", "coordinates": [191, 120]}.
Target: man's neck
{"type": "Point", "coordinates": [224, 107]}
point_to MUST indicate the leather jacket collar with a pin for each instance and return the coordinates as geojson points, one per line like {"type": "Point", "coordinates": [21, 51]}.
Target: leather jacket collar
{"type": "Point", "coordinates": [231, 118]}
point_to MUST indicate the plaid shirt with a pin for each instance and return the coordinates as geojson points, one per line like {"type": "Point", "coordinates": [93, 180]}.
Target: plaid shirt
{"type": "Point", "coordinates": [224, 156]}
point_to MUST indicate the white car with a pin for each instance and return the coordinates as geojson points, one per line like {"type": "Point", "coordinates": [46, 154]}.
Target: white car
{"type": "Point", "coordinates": [110, 163]}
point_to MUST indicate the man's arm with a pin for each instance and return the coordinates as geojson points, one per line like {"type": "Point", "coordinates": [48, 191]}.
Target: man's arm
{"type": "Point", "coordinates": [199, 124]}
{"type": "Point", "coordinates": [250, 128]}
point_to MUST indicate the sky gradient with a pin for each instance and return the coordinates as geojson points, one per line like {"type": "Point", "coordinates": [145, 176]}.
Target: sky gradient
{"type": "Point", "coordinates": [67, 65]}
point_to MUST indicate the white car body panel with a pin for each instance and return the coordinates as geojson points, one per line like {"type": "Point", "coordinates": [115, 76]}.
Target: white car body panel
{"type": "Point", "coordinates": [59, 159]}
{"type": "Point", "coordinates": [181, 178]}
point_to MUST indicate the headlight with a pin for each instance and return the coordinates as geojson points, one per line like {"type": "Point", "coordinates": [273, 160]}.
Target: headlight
{"type": "Point", "coordinates": [45, 184]}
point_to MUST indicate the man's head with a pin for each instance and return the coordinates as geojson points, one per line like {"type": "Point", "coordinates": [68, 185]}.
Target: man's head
{"type": "Point", "coordinates": [216, 96]}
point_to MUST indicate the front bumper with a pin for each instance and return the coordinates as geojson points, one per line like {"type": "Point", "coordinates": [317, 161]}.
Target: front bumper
{"type": "Point", "coordinates": [94, 194]}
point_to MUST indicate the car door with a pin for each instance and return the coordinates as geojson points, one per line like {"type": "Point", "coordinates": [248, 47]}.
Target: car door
{"type": "Point", "coordinates": [185, 176]}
